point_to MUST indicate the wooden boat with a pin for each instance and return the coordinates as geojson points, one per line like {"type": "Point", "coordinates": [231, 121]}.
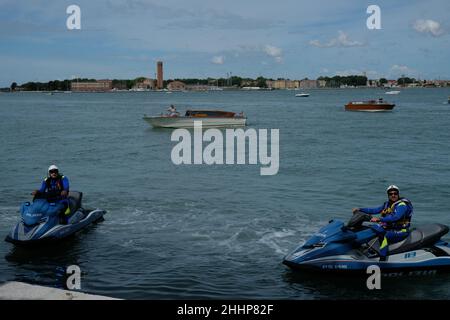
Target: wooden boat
{"type": "Point", "coordinates": [370, 106]}
{"type": "Point", "coordinates": [209, 118]}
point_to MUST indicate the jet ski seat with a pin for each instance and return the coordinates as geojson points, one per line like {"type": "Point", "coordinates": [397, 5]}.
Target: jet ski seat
{"type": "Point", "coordinates": [419, 237]}
{"type": "Point", "coordinates": [74, 199]}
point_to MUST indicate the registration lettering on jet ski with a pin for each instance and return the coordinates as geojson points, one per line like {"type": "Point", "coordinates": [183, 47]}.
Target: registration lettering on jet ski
{"type": "Point", "coordinates": [335, 266]}
{"type": "Point", "coordinates": [410, 255]}
{"type": "Point", "coordinates": [413, 273]}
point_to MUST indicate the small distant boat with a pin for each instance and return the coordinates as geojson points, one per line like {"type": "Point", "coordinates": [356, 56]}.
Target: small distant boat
{"type": "Point", "coordinates": [392, 92]}
{"type": "Point", "coordinates": [302, 94]}
{"type": "Point", "coordinates": [209, 118]}
{"type": "Point", "coordinates": [370, 106]}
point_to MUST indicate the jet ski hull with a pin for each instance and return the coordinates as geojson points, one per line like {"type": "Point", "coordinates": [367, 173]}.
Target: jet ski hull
{"type": "Point", "coordinates": [418, 262]}
{"type": "Point", "coordinates": [352, 248]}
{"type": "Point", "coordinates": [43, 233]}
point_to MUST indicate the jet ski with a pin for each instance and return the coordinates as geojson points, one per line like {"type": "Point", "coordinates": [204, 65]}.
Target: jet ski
{"type": "Point", "coordinates": [353, 247]}
{"type": "Point", "coordinates": [41, 220]}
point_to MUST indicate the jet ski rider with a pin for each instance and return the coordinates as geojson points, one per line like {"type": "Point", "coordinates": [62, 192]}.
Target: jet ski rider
{"type": "Point", "coordinates": [55, 188]}
{"type": "Point", "coordinates": [393, 226]}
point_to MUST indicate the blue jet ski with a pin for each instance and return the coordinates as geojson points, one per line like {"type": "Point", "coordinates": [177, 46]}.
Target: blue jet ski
{"type": "Point", "coordinates": [353, 247]}
{"type": "Point", "coordinates": [41, 220]}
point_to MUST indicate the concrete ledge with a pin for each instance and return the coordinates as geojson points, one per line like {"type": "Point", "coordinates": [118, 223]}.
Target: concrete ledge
{"type": "Point", "coordinates": [23, 291]}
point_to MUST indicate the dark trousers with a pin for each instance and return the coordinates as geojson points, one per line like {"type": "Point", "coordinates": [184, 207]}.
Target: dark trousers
{"type": "Point", "coordinates": [388, 237]}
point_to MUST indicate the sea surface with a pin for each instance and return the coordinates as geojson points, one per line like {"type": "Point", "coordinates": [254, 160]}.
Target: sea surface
{"type": "Point", "coordinates": [219, 231]}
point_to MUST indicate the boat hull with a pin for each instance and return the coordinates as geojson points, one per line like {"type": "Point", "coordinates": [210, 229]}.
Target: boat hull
{"type": "Point", "coordinates": [369, 107]}
{"type": "Point", "coordinates": [188, 122]}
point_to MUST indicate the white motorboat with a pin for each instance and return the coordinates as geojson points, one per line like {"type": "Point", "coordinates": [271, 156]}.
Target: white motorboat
{"type": "Point", "coordinates": [209, 118]}
{"type": "Point", "coordinates": [302, 94]}
{"type": "Point", "coordinates": [392, 92]}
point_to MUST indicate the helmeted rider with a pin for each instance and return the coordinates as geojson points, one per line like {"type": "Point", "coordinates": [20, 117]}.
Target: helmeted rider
{"type": "Point", "coordinates": [55, 188]}
{"type": "Point", "coordinates": [393, 226]}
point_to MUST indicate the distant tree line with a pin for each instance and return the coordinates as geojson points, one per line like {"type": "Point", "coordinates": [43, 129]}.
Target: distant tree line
{"type": "Point", "coordinates": [235, 81]}
{"type": "Point", "coordinates": [405, 80]}
{"type": "Point", "coordinates": [337, 81]}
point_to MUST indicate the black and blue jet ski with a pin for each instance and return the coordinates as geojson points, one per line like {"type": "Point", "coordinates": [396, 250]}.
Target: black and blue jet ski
{"type": "Point", "coordinates": [353, 247]}
{"type": "Point", "coordinates": [41, 220]}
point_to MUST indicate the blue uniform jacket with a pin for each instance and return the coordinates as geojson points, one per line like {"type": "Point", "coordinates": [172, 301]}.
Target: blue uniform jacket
{"type": "Point", "coordinates": [65, 185]}
{"type": "Point", "coordinates": [401, 210]}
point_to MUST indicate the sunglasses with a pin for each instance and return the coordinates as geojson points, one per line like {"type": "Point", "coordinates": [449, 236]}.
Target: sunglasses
{"type": "Point", "coordinates": [53, 171]}
{"type": "Point", "coordinates": [393, 193]}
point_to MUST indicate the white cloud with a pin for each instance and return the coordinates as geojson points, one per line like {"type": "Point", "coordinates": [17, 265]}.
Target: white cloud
{"type": "Point", "coordinates": [428, 26]}
{"type": "Point", "coordinates": [274, 52]}
{"type": "Point", "coordinates": [349, 72]}
{"type": "Point", "coordinates": [218, 60]}
{"type": "Point", "coordinates": [342, 40]}
{"type": "Point", "coordinates": [400, 68]}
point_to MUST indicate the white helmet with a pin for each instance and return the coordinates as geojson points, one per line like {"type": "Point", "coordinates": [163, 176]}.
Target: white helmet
{"type": "Point", "coordinates": [53, 167]}
{"type": "Point", "coordinates": [392, 187]}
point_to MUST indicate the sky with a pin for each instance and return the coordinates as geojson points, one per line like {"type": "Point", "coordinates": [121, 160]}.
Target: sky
{"type": "Point", "coordinates": [291, 39]}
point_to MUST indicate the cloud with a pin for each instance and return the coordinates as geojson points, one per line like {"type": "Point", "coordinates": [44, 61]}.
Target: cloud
{"type": "Point", "coordinates": [428, 26]}
{"type": "Point", "coordinates": [349, 72]}
{"type": "Point", "coordinates": [400, 70]}
{"type": "Point", "coordinates": [342, 40]}
{"type": "Point", "coordinates": [274, 52]}
{"type": "Point", "coordinates": [218, 60]}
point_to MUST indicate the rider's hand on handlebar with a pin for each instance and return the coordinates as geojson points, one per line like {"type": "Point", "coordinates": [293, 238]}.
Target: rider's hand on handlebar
{"type": "Point", "coordinates": [354, 210]}
{"type": "Point", "coordinates": [34, 192]}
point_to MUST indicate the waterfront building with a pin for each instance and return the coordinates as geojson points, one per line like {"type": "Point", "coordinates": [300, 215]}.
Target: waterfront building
{"type": "Point", "coordinates": [95, 86]}
{"type": "Point", "coordinates": [282, 84]}
{"type": "Point", "coordinates": [176, 86]}
{"type": "Point", "coordinates": [308, 84]}
{"type": "Point", "coordinates": [322, 83]}
{"type": "Point", "coordinates": [146, 84]}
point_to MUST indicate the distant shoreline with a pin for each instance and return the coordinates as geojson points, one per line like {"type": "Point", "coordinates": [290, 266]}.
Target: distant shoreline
{"type": "Point", "coordinates": [224, 90]}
